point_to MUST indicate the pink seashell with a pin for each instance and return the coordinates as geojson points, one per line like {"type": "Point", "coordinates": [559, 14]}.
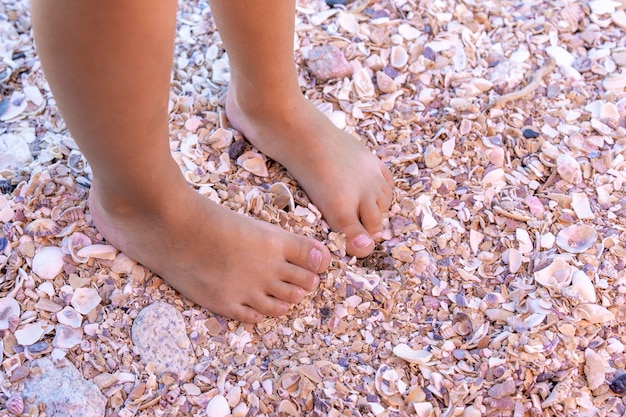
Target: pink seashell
{"type": "Point", "coordinates": [15, 405]}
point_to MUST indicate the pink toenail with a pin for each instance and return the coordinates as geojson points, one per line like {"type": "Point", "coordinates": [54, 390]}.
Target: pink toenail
{"type": "Point", "coordinates": [378, 236]}
{"type": "Point", "coordinates": [316, 258]}
{"type": "Point", "coordinates": [362, 241]}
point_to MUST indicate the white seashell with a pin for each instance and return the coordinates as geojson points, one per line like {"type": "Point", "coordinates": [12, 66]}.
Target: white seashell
{"type": "Point", "coordinates": [284, 197]}
{"type": "Point", "coordinates": [515, 260]}
{"type": "Point", "coordinates": [560, 55]}
{"type": "Point", "coordinates": [408, 32]}
{"type": "Point", "coordinates": [581, 206]}
{"type": "Point", "coordinates": [385, 83]}
{"type": "Point", "coordinates": [17, 105]}
{"type": "Point", "coordinates": [254, 163]}
{"type": "Point", "coordinates": [98, 251]}
{"type": "Point", "coordinates": [123, 264]}
{"type": "Point", "coordinates": [399, 57]}
{"type": "Point", "coordinates": [75, 242]}
{"type": "Point", "coordinates": [555, 276]}
{"type": "Point", "coordinates": [595, 369]}
{"type": "Point", "coordinates": [348, 22]}
{"type": "Point", "coordinates": [363, 85]}
{"type": "Point", "coordinates": [221, 138]}
{"type": "Point", "coordinates": [603, 6]}
{"type": "Point", "coordinates": [547, 240]}
{"type": "Point", "coordinates": [70, 317]}
{"type": "Point", "coordinates": [42, 228]}
{"type": "Point", "coordinates": [615, 82]}
{"type": "Point", "coordinates": [423, 409]}
{"type": "Point", "coordinates": [569, 169]}
{"type": "Point", "coordinates": [585, 287]}
{"type": "Point", "coordinates": [31, 333]}
{"type": "Point", "coordinates": [67, 337]}
{"type": "Point", "coordinates": [495, 178]}
{"type": "Point", "coordinates": [218, 407]}
{"type": "Point", "coordinates": [593, 313]}
{"type": "Point", "coordinates": [9, 307]}
{"type": "Point", "coordinates": [366, 282]}
{"type": "Point", "coordinates": [221, 71]}
{"type": "Point", "coordinates": [559, 393]}
{"type": "Point", "coordinates": [619, 18]}
{"type": "Point", "coordinates": [339, 119]}
{"type": "Point", "coordinates": [48, 262]}
{"type": "Point", "coordinates": [85, 299]}
{"type": "Point", "coordinates": [498, 314]}
{"type": "Point", "coordinates": [241, 410]}
{"type": "Point", "coordinates": [405, 352]}
{"type": "Point", "coordinates": [576, 238]}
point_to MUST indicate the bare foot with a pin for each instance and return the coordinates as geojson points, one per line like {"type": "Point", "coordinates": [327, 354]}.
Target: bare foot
{"type": "Point", "coordinates": [233, 265]}
{"type": "Point", "coordinates": [351, 187]}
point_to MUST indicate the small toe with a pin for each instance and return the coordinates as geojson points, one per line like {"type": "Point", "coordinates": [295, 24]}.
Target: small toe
{"type": "Point", "coordinates": [269, 306]}
{"type": "Point", "coordinates": [245, 314]}
{"type": "Point", "coordinates": [308, 253]}
{"type": "Point", "coordinates": [371, 217]}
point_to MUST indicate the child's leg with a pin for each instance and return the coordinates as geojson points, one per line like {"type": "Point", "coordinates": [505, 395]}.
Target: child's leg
{"type": "Point", "coordinates": [108, 64]}
{"type": "Point", "coordinates": [350, 186]}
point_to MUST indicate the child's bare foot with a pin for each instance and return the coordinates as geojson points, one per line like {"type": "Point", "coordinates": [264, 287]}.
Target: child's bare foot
{"type": "Point", "coordinates": [351, 187]}
{"type": "Point", "coordinates": [231, 264]}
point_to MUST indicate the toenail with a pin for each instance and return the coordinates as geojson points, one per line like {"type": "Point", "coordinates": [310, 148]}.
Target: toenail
{"type": "Point", "coordinates": [362, 241]}
{"type": "Point", "coordinates": [378, 236]}
{"type": "Point", "coordinates": [316, 258]}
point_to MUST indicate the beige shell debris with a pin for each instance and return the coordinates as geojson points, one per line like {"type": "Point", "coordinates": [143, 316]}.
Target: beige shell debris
{"type": "Point", "coordinates": [31, 333]}
{"type": "Point", "coordinates": [67, 337]}
{"type": "Point", "coordinates": [42, 228]}
{"type": "Point", "coordinates": [594, 368]}
{"type": "Point", "coordinates": [284, 197]}
{"type": "Point", "coordinates": [218, 407]}
{"type": "Point", "coordinates": [98, 251]}
{"type": "Point", "coordinates": [593, 313]}
{"type": "Point", "coordinates": [70, 317]}
{"type": "Point", "coordinates": [581, 206]}
{"type": "Point", "coordinates": [576, 238]}
{"type": "Point", "coordinates": [555, 276]}
{"type": "Point", "coordinates": [404, 351]}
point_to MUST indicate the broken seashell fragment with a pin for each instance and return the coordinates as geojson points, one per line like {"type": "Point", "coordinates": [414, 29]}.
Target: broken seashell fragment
{"type": "Point", "coordinates": [85, 299]}
{"type": "Point", "coordinates": [31, 333]}
{"type": "Point", "coordinates": [576, 238]}
{"type": "Point", "coordinates": [15, 405]}
{"type": "Point", "coordinates": [569, 169]}
{"type": "Point", "coordinates": [218, 407]}
{"type": "Point", "coordinates": [581, 206]}
{"type": "Point", "coordinates": [254, 163]}
{"type": "Point", "coordinates": [593, 313]}
{"type": "Point", "coordinates": [98, 251]}
{"type": "Point", "coordinates": [555, 276]}
{"type": "Point", "coordinates": [405, 352]}
{"type": "Point", "coordinates": [584, 286]}
{"type": "Point", "coordinates": [595, 369]}
{"type": "Point", "coordinates": [48, 262]}
{"type": "Point", "coordinates": [70, 317]}
{"type": "Point", "coordinates": [9, 307]}
{"type": "Point", "coordinates": [399, 57]}
{"type": "Point", "coordinates": [42, 228]}
{"type": "Point", "coordinates": [284, 197]}
{"type": "Point", "coordinates": [67, 337]}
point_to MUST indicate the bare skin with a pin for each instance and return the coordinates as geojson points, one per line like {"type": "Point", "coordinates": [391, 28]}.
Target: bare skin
{"type": "Point", "coordinates": [108, 65]}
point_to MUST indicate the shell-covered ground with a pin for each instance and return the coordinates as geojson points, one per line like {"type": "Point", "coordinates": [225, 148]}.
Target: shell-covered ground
{"type": "Point", "coordinates": [499, 288]}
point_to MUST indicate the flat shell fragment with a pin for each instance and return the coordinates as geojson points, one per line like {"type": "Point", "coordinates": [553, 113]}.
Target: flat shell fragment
{"type": "Point", "coordinates": [98, 251]}
{"type": "Point", "coordinates": [48, 262]}
{"type": "Point", "coordinates": [218, 407]}
{"type": "Point", "coordinates": [85, 299]}
{"type": "Point", "coordinates": [576, 238]}
{"type": "Point", "coordinates": [581, 206]}
{"type": "Point", "coordinates": [253, 162]}
{"type": "Point", "coordinates": [595, 369]}
{"type": "Point", "coordinates": [593, 313]}
{"type": "Point", "coordinates": [31, 333]}
{"type": "Point", "coordinates": [555, 276]}
{"type": "Point", "coordinates": [404, 351]}
{"type": "Point", "coordinates": [9, 307]}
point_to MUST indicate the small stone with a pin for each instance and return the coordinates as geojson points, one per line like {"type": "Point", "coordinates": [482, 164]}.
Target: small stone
{"type": "Point", "coordinates": [328, 62]}
{"type": "Point", "coordinates": [6, 186]}
{"type": "Point", "coordinates": [63, 390]}
{"type": "Point", "coordinates": [618, 385]}
{"type": "Point", "coordinates": [530, 133]}
{"type": "Point", "coordinates": [160, 336]}
{"type": "Point", "coordinates": [236, 149]}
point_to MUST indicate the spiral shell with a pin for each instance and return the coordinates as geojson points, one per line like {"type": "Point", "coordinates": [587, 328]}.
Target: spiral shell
{"type": "Point", "coordinates": [15, 405]}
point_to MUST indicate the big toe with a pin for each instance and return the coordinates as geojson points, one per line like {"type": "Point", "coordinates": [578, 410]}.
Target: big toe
{"type": "Point", "coordinates": [359, 243]}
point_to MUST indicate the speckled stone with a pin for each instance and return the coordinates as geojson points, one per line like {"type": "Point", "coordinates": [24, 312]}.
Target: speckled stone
{"type": "Point", "coordinates": [62, 388]}
{"type": "Point", "coordinates": [328, 62]}
{"type": "Point", "coordinates": [159, 334]}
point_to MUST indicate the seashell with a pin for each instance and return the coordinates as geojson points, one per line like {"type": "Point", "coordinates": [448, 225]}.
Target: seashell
{"type": "Point", "coordinates": [363, 85]}
{"type": "Point", "coordinates": [423, 409]}
{"type": "Point", "coordinates": [584, 286]}
{"type": "Point", "coordinates": [221, 138]}
{"type": "Point", "coordinates": [48, 262]}
{"type": "Point", "coordinates": [404, 351]}
{"type": "Point", "coordinates": [17, 105]}
{"type": "Point", "coordinates": [348, 22]}
{"type": "Point", "coordinates": [595, 369]}
{"type": "Point", "coordinates": [241, 410]}
{"type": "Point", "coordinates": [71, 214]}
{"type": "Point", "coordinates": [569, 169]}
{"type": "Point", "coordinates": [408, 32]}
{"type": "Point", "coordinates": [70, 317]}
{"type": "Point", "coordinates": [495, 177]}
{"type": "Point", "coordinates": [462, 324]}
{"type": "Point", "coordinates": [339, 119]}
{"type": "Point", "coordinates": [555, 276]}
{"type": "Point", "coordinates": [42, 228]}
{"type": "Point", "coordinates": [603, 6]}
{"type": "Point", "coordinates": [366, 282]}
{"type": "Point", "coordinates": [559, 393]}
{"type": "Point", "coordinates": [576, 238]}
{"type": "Point", "coordinates": [254, 163]}
{"type": "Point", "coordinates": [581, 206]}
{"type": "Point", "coordinates": [67, 337]}
{"type": "Point", "coordinates": [122, 264]}
{"type": "Point", "coordinates": [75, 242]}
{"type": "Point", "coordinates": [287, 408]}
{"type": "Point", "coordinates": [593, 313]}
{"type": "Point", "coordinates": [385, 83]}
{"type": "Point", "coordinates": [98, 251]}
{"type": "Point", "coordinates": [284, 197]}
{"type": "Point", "coordinates": [85, 299]}
{"type": "Point", "coordinates": [221, 71]}
{"type": "Point", "coordinates": [31, 333]}
{"type": "Point", "coordinates": [547, 240]}
{"type": "Point", "coordinates": [9, 307]}
{"type": "Point", "coordinates": [15, 405]}
{"type": "Point", "coordinates": [615, 82]}
{"type": "Point", "coordinates": [218, 407]}
{"type": "Point", "coordinates": [399, 57]}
